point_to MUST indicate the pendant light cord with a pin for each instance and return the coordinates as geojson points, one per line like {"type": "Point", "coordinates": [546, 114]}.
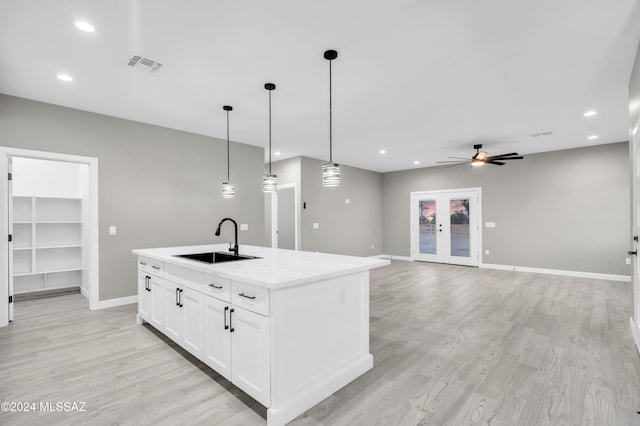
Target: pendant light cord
{"type": "Point", "coordinates": [269, 131]}
{"type": "Point", "coordinates": [330, 118]}
{"type": "Point", "coordinates": [228, 146]}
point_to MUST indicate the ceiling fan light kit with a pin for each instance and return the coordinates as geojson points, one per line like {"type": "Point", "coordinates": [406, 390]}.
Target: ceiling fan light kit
{"type": "Point", "coordinates": [480, 158]}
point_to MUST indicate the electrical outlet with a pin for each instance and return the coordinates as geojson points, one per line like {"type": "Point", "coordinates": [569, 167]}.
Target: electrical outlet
{"type": "Point", "coordinates": [489, 224]}
{"type": "Point", "coordinates": [112, 230]}
{"type": "Point", "coordinates": [487, 252]}
{"type": "Point", "coordinates": [244, 226]}
{"type": "Point", "coordinates": [316, 225]}
{"type": "Point", "coordinates": [628, 261]}
{"type": "Point", "coordinates": [347, 201]}
{"type": "Point", "coordinates": [373, 246]}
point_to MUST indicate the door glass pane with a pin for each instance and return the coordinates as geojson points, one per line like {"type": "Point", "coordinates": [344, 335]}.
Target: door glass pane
{"type": "Point", "coordinates": [459, 214]}
{"type": "Point", "coordinates": [427, 226]}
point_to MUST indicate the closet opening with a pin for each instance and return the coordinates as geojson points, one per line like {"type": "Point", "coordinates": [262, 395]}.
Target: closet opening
{"type": "Point", "coordinates": [51, 219]}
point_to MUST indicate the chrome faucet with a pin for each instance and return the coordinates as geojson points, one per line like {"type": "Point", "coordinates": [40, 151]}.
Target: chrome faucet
{"type": "Point", "coordinates": [235, 225]}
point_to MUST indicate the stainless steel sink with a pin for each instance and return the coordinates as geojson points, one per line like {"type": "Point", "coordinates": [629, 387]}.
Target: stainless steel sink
{"type": "Point", "coordinates": [215, 257]}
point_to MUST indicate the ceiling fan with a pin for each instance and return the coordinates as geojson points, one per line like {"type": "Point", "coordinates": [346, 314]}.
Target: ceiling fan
{"type": "Point", "coordinates": [481, 158]}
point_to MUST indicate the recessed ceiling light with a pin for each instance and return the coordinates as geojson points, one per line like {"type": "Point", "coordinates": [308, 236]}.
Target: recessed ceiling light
{"type": "Point", "coordinates": [416, 162]}
{"type": "Point", "coordinates": [276, 153]}
{"type": "Point", "coordinates": [590, 113]}
{"type": "Point", "coordinates": [592, 137]}
{"type": "Point", "coordinates": [382, 151]}
{"type": "Point", "coordinates": [65, 77]}
{"type": "Point", "coordinates": [85, 26]}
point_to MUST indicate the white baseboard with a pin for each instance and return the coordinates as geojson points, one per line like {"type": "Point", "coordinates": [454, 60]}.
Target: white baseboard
{"type": "Point", "coordinates": [111, 303]}
{"type": "Point", "coordinates": [84, 292]}
{"type": "Point", "coordinates": [392, 257]}
{"type": "Point", "coordinates": [636, 333]}
{"type": "Point", "coordinates": [594, 275]}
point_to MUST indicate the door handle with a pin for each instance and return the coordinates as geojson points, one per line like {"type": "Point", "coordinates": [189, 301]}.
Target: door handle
{"type": "Point", "coordinates": [180, 298]}
{"type": "Point", "coordinates": [226, 308]}
{"type": "Point", "coordinates": [231, 321]}
{"type": "Point", "coordinates": [215, 286]}
{"type": "Point", "coordinates": [635, 253]}
{"type": "Point", "coordinates": [177, 297]}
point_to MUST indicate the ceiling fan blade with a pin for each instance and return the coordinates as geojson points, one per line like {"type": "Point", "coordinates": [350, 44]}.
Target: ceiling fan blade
{"type": "Point", "coordinates": [520, 157]}
{"type": "Point", "coordinates": [460, 158]}
{"type": "Point", "coordinates": [456, 165]}
{"type": "Point", "coordinates": [505, 155]}
{"type": "Point", "coordinates": [497, 163]}
{"type": "Point", "coordinates": [455, 161]}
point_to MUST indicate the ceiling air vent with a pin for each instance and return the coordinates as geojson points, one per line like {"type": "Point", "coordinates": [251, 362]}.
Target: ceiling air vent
{"type": "Point", "coordinates": [537, 135]}
{"type": "Point", "coordinates": [145, 64]}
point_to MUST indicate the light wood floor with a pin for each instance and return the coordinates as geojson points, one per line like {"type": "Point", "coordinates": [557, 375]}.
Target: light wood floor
{"type": "Point", "coordinates": [451, 346]}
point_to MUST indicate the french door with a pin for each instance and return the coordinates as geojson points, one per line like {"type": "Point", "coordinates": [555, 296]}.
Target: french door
{"type": "Point", "coordinates": [445, 226]}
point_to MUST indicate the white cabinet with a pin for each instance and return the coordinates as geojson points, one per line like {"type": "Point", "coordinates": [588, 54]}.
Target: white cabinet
{"type": "Point", "coordinates": [237, 345]}
{"type": "Point", "coordinates": [47, 243]}
{"type": "Point", "coordinates": [250, 368]}
{"type": "Point", "coordinates": [183, 309]}
{"type": "Point", "coordinates": [144, 296]}
{"type": "Point", "coordinates": [224, 323]}
{"type": "Point", "coordinates": [217, 338]}
{"type": "Point", "coordinates": [156, 289]}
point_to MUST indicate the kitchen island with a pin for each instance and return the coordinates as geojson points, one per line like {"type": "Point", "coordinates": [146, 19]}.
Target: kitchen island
{"type": "Point", "coordinates": [287, 327]}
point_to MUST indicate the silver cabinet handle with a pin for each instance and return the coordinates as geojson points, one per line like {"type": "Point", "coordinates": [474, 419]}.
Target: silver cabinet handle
{"type": "Point", "coordinates": [247, 297]}
{"type": "Point", "coordinates": [155, 267]}
{"type": "Point", "coordinates": [215, 286]}
{"type": "Point", "coordinates": [143, 263]}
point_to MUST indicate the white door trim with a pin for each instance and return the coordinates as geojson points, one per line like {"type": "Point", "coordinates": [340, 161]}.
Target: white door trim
{"type": "Point", "coordinates": [415, 195]}
{"type": "Point", "coordinates": [634, 153]}
{"type": "Point", "coordinates": [274, 215]}
{"type": "Point", "coordinates": [93, 247]}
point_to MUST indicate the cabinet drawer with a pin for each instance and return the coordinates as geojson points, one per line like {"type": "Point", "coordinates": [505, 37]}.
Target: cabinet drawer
{"type": "Point", "coordinates": [143, 263]}
{"type": "Point", "coordinates": [217, 287]}
{"type": "Point", "coordinates": [155, 266]}
{"type": "Point", "coordinates": [252, 298]}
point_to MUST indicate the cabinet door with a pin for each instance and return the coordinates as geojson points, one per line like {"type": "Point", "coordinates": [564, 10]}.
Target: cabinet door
{"type": "Point", "coordinates": [157, 302]}
{"type": "Point", "coordinates": [144, 297]}
{"type": "Point", "coordinates": [192, 307]}
{"type": "Point", "coordinates": [251, 369]}
{"type": "Point", "coordinates": [217, 339]}
{"type": "Point", "coordinates": [174, 325]}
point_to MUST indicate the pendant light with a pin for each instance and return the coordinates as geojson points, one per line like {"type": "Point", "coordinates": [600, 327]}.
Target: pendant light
{"type": "Point", "coordinates": [330, 170]}
{"type": "Point", "coordinates": [228, 188]}
{"type": "Point", "coordinates": [270, 181]}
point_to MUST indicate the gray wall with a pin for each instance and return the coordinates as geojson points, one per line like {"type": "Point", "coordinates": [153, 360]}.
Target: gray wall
{"type": "Point", "coordinates": [565, 210]}
{"type": "Point", "coordinates": [160, 187]}
{"type": "Point", "coordinates": [349, 229]}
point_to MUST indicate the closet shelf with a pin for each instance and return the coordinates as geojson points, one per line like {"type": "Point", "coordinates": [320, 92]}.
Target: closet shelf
{"type": "Point", "coordinates": [58, 246]}
{"type": "Point", "coordinates": [52, 271]}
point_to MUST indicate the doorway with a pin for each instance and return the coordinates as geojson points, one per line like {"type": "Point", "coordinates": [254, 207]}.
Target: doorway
{"type": "Point", "coordinates": [445, 226]}
{"type": "Point", "coordinates": [284, 217]}
{"type": "Point", "coordinates": [50, 212]}
{"type": "Point", "coordinates": [634, 151]}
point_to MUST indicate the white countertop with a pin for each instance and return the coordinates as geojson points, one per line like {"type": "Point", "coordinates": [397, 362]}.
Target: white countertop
{"type": "Point", "coordinates": [276, 269]}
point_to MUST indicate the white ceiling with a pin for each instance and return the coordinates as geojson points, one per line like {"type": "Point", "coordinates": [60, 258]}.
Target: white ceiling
{"type": "Point", "coordinates": [421, 79]}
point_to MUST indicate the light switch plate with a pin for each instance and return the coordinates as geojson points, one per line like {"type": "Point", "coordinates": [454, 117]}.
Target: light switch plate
{"type": "Point", "coordinates": [112, 230]}
{"type": "Point", "coordinates": [316, 225]}
{"type": "Point", "coordinates": [244, 226]}
{"type": "Point", "coordinates": [489, 224]}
